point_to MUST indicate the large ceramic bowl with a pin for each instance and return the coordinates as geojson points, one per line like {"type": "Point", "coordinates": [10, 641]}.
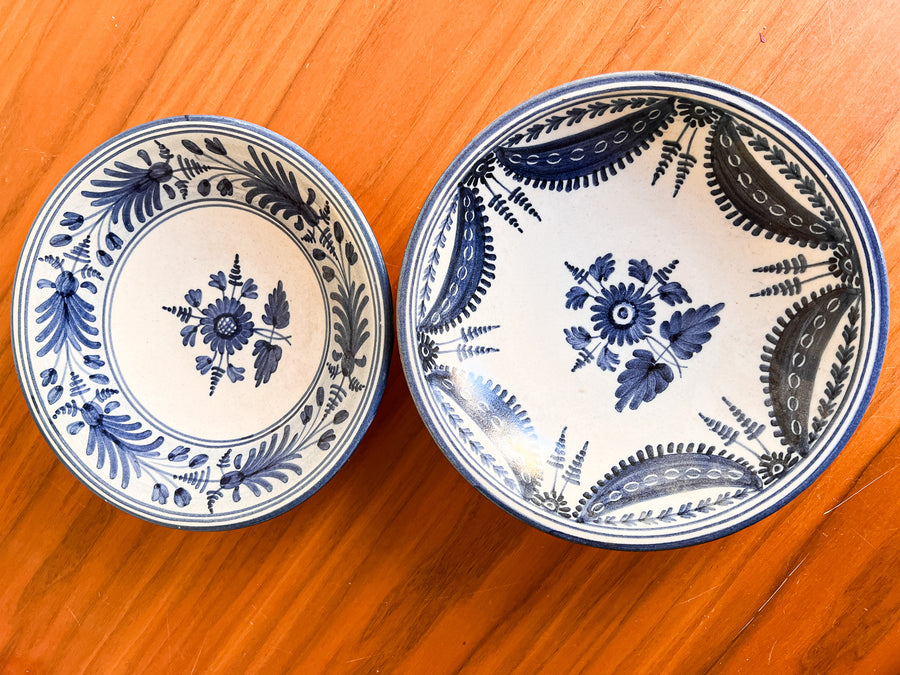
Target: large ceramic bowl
{"type": "Point", "coordinates": [201, 323]}
{"type": "Point", "coordinates": [642, 310]}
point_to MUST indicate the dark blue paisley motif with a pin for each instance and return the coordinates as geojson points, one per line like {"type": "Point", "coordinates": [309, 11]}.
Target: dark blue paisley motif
{"type": "Point", "coordinates": [790, 362]}
{"type": "Point", "coordinates": [499, 415]}
{"type": "Point", "coordinates": [471, 267]}
{"type": "Point", "coordinates": [491, 406]}
{"type": "Point", "coordinates": [753, 200]}
{"type": "Point", "coordinates": [665, 471]}
{"type": "Point", "coordinates": [590, 156]}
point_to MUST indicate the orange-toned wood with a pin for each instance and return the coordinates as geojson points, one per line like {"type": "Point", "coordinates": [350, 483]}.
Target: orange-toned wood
{"type": "Point", "coordinates": [398, 565]}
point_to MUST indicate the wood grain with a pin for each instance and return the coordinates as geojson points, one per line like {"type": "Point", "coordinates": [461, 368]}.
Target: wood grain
{"type": "Point", "coordinates": [398, 565]}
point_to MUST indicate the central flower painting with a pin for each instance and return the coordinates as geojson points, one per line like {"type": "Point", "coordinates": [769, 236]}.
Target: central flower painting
{"type": "Point", "coordinates": [226, 326]}
{"type": "Point", "coordinates": [623, 315]}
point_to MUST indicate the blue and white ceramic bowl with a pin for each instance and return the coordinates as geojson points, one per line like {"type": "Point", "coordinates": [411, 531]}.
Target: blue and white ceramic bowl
{"type": "Point", "coordinates": [642, 310]}
{"type": "Point", "coordinates": [201, 323]}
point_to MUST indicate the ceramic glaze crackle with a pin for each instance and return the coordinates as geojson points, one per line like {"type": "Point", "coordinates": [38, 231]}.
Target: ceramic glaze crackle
{"type": "Point", "coordinates": [642, 311]}
{"type": "Point", "coordinates": [201, 323]}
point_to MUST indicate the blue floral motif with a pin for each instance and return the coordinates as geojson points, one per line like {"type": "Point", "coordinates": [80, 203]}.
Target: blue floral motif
{"type": "Point", "coordinates": [134, 189]}
{"type": "Point", "coordinates": [625, 314]}
{"type": "Point", "coordinates": [68, 316]}
{"type": "Point", "coordinates": [226, 326]}
{"type": "Point", "coordinates": [116, 440]}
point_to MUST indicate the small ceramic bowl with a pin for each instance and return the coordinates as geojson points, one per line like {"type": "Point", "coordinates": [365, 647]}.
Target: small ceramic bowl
{"type": "Point", "coordinates": [201, 323]}
{"type": "Point", "coordinates": [642, 310]}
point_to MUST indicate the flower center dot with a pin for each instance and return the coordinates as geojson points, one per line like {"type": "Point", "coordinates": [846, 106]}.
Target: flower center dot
{"type": "Point", "coordinates": [225, 326]}
{"type": "Point", "coordinates": [622, 314]}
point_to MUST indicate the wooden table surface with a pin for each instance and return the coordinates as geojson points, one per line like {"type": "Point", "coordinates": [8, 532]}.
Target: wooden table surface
{"type": "Point", "coordinates": [397, 564]}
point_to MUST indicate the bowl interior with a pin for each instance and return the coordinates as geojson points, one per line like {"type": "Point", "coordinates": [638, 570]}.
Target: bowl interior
{"type": "Point", "coordinates": [642, 311]}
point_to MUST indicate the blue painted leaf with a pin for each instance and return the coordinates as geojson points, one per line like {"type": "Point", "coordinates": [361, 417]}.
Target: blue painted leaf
{"type": "Point", "coordinates": [688, 332]}
{"type": "Point", "coordinates": [318, 254]}
{"type": "Point", "coordinates": [338, 232]}
{"type": "Point", "coordinates": [640, 270]}
{"type": "Point", "coordinates": [248, 290]}
{"type": "Point", "coordinates": [114, 241]}
{"type": "Point", "coordinates": [48, 376]}
{"type": "Point", "coordinates": [607, 359]}
{"type": "Point", "coordinates": [93, 361]}
{"type": "Point", "coordinates": [267, 358]}
{"type": "Point", "coordinates": [673, 293]}
{"type": "Point", "coordinates": [194, 297]}
{"type": "Point", "coordinates": [643, 378]}
{"type": "Point", "coordinates": [576, 297]}
{"type": "Point", "coordinates": [204, 188]}
{"type": "Point", "coordinates": [204, 363]}
{"type": "Point", "coordinates": [189, 336]}
{"type": "Point", "coordinates": [75, 427]}
{"type": "Point", "coordinates": [182, 497]}
{"type": "Point", "coordinates": [179, 453]}
{"type": "Point", "coordinates": [61, 240]}
{"type": "Point", "coordinates": [306, 414]}
{"type": "Point", "coordinates": [99, 378]}
{"type": "Point", "coordinates": [55, 394]}
{"type": "Point", "coordinates": [326, 439]}
{"type": "Point", "coordinates": [277, 310]}
{"type": "Point", "coordinates": [603, 267]}
{"type": "Point", "coordinates": [235, 373]}
{"type": "Point", "coordinates": [327, 273]}
{"type": "Point", "coordinates": [198, 460]}
{"type": "Point", "coordinates": [214, 145]}
{"type": "Point", "coordinates": [190, 146]}
{"type": "Point", "coordinates": [352, 255]}
{"type": "Point", "coordinates": [169, 190]}
{"type": "Point", "coordinates": [584, 357]}
{"type": "Point", "coordinates": [72, 220]}
{"type": "Point", "coordinates": [578, 337]}
{"type": "Point", "coordinates": [160, 493]}
{"type": "Point", "coordinates": [89, 286]}
{"type": "Point", "coordinates": [104, 258]}
{"type": "Point", "coordinates": [225, 188]}
{"type": "Point", "coordinates": [218, 280]}
{"type": "Point", "coordinates": [341, 416]}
